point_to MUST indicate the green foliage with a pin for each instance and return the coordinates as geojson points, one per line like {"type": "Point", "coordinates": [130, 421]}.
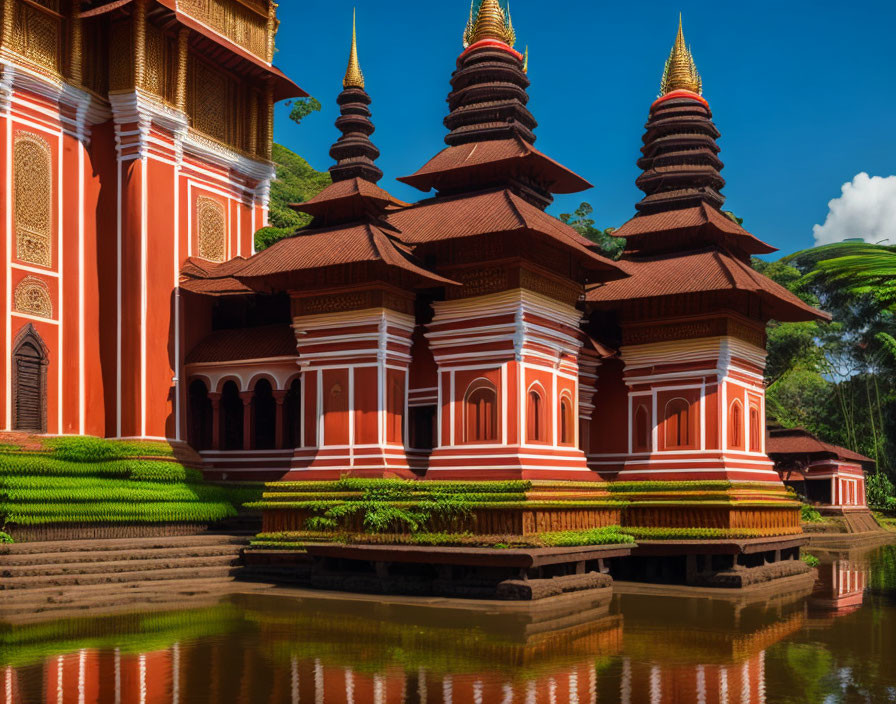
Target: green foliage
{"type": "Point", "coordinates": [880, 491]}
{"type": "Point", "coordinates": [583, 223]}
{"type": "Point", "coordinates": [808, 514]}
{"type": "Point", "coordinates": [391, 505]}
{"type": "Point", "coordinates": [651, 533]}
{"type": "Point", "coordinates": [810, 559]}
{"type": "Point", "coordinates": [302, 108]}
{"type": "Point", "coordinates": [296, 182]}
{"type": "Point", "coordinates": [5, 538]}
{"type": "Point", "coordinates": [84, 448]}
{"type": "Point", "coordinates": [91, 480]}
{"type": "Point", "coordinates": [610, 535]}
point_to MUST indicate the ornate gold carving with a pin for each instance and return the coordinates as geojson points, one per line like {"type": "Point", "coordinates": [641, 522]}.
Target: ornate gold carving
{"type": "Point", "coordinates": [680, 72]}
{"type": "Point", "coordinates": [250, 28]}
{"type": "Point", "coordinates": [33, 199]}
{"type": "Point", "coordinates": [121, 73]}
{"type": "Point", "coordinates": [567, 292]}
{"type": "Point", "coordinates": [183, 57]}
{"type": "Point", "coordinates": [354, 77]}
{"type": "Point", "coordinates": [212, 228]}
{"type": "Point", "coordinates": [139, 28]}
{"type": "Point", "coordinates": [75, 55]}
{"type": "Point", "coordinates": [37, 33]}
{"type": "Point", "coordinates": [210, 90]}
{"type": "Point", "coordinates": [478, 282]}
{"type": "Point", "coordinates": [154, 79]}
{"type": "Point", "coordinates": [32, 296]}
{"type": "Point", "coordinates": [268, 143]}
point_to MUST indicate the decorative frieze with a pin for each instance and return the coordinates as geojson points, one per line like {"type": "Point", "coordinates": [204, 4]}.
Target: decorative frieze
{"type": "Point", "coordinates": [242, 23]}
{"type": "Point", "coordinates": [33, 199]}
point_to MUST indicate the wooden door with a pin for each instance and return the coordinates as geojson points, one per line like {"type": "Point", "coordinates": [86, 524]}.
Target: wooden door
{"type": "Point", "coordinates": [29, 399]}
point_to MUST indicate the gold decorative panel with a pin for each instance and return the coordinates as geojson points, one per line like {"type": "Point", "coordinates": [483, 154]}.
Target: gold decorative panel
{"type": "Point", "coordinates": [37, 33]}
{"type": "Point", "coordinates": [211, 223]}
{"type": "Point", "coordinates": [241, 25]}
{"type": "Point", "coordinates": [33, 199]}
{"type": "Point", "coordinates": [210, 100]}
{"type": "Point", "coordinates": [32, 296]}
{"type": "Point", "coordinates": [121, 72]}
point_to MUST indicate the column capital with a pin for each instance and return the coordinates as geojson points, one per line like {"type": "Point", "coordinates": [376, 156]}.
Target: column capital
{"type": "Point", "coordinates": [280, 395]}
{"type": "Point", "coordinates": [246, 397]}
{"type": "Point", "coordinates": [214, 397]}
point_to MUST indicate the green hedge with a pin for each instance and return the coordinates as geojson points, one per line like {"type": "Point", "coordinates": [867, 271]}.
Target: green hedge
{"type": "Point", "coordinates": [693, 533]}
{"type": "Point", "coordinates": [23, 514]}
{"type": "Point", "coordinates": [91, 449]}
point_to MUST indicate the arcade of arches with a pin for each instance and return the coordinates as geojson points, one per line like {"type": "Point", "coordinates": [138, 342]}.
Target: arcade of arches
{"type": "Point", "coordinates": [260, 417]}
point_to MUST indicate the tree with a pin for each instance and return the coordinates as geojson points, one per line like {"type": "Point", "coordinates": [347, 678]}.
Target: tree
{"type": "Point", "coordinates": [581, 221]}
{"type": "Point", "coordinates": [302, 108]}
{"type": "Point", "coordinates": [296, 182]}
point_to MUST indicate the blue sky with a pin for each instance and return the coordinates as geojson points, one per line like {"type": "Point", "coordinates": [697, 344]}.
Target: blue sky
{"type": "Point", "coordinates": [802, 92]}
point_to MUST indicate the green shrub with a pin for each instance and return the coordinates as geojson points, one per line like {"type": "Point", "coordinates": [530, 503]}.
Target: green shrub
{"type": "Point", "coordinates": [808, 514]}
{"type": "Point", "coordinates": [810, 559]}
{"type": "Point", "coordinates": [85, 448]}
{"type": "Point", "coordinates": [652, 533]}
{"type": "Point", "coordinates": [595, 536]}
{"type": "Point", "coordinates": [5, 538]}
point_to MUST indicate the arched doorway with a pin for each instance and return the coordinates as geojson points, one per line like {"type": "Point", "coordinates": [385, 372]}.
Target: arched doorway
{"type": "Point", "coordinates": [265, 415]}
{"type": "Point", "coordinates": [29, 383]}
{"type": "Point", "coordinates": [292, 407]}
{"type": "Point", "coordinates": [231, 417]}
{"type": "Point", "coordinates": [200, 425]}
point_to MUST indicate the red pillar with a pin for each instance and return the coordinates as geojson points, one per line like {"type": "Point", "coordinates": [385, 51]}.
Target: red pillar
{"type": "Point", "coordinates": [247, 397]}
{"type": "Point", "coordinates": [279, 397]}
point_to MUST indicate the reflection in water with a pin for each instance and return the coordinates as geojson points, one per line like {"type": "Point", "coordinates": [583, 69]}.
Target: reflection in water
{"type": "Point", "coordinates": [639, 649]}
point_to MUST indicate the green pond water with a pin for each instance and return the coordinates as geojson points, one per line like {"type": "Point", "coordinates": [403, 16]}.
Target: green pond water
{"type": "Point", "coordinates": [834, 643]}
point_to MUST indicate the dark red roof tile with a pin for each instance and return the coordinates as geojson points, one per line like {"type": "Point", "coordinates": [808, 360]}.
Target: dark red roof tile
{"type": "Point", "coordinates": [798, 441]}
{"type": "Point", "coordinates": [245, 343]}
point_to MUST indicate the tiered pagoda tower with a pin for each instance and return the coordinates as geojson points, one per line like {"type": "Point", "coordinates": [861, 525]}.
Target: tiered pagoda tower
{"type": "Point", "coordinates": [692, 316]}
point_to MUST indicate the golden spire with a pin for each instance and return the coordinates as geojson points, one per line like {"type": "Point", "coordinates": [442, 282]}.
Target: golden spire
{"type": "Point", "coordinates": [353, 76]}
{"type": "Point", "coordinates": [526, 60]}
{"type": "Point", "coordinates": [680, 72]}
{"type": "Point", "coordinates": [491, 23]}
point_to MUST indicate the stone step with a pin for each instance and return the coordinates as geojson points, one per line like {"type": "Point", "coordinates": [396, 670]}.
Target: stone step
{"type": "Point", "coordinates": [113, 544]}
{"type": "Point", "coordinates": [132, 555]}
{"type": "Point", "coordinates": [107, 577]}
{"type": "Point", "coordinates": [114, 567]}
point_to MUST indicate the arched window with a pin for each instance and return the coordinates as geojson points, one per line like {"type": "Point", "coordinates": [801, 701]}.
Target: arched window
{"type": "Point", "coordinates": [567, 421]}
{"type": "Point", "coordinates": [211, 228]}
{"type": "Point", "coordinates": [29, 382]}
{"type": "Point", "coordinates": [264, 411]}
{"type": "Point", "coordinates": [642, 430]}
{"type": "Point", "coordinates": [231, 417]}
{"type": "Point", "coordinates": [535, 420]}
{"type": "Point", "coordinates": [200, 421]}
{"type": "Point", "coordinates": [33, 199]}
{"type": "Point", "coordinates": [755, 429]}
{"type": "Point", "coordinates": [292, 412]}
{"type": "Point", "coordinates": [678, 425]}
{"type": "Point", "coordinates": [736, 425]}
{"type": "Point", "coordinates": [481, 412]}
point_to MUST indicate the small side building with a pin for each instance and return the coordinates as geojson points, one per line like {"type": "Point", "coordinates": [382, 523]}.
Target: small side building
{"type": "Point", "coordinates": [831, 477]}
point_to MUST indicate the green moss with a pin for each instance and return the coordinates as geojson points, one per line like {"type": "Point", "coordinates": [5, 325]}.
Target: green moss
{"type": "Point", "coordinates": [810, 559]}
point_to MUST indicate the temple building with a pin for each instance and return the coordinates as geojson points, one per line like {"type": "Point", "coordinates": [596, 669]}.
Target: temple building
{"type": "Point", "coordinates": [470, 334]}
{"type": "Point", "coordinates": [136, 134]}
{"type": "Point", "coordinates": [467, 335]}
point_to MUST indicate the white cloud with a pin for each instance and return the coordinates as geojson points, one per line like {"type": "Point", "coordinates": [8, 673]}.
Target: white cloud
{"type": "Point", "coordinates": [867, 210]}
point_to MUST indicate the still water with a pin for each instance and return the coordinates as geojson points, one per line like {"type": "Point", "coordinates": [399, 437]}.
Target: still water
{"type": "Point", "coordinates": [836, 643]}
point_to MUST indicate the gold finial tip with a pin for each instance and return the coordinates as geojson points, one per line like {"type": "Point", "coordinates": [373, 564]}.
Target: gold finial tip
{"type": "Point", "coordinates": [680, 72]}
{"type": "Point", "coordinates": [354, 78]}
{"type": "Point", "coordinates": [526, 60]}
{"type": "Point", "coordinates": [491, 22]}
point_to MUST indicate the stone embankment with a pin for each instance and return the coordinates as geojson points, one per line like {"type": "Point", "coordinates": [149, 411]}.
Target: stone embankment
{"type": "Point", "coordinates": [86, 574]}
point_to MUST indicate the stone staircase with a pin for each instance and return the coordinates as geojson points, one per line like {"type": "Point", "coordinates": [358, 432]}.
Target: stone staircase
{"type": "Point", "coordinates": [84, 574]}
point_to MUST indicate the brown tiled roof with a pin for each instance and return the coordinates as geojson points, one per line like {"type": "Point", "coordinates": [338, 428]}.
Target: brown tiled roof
{"type": "Point", "coordinates": [798, 441]}
{"type": "Point", "coordinates": [335, 197]}
{"type": "Point", "coordinates": [488, 212]}
{"type": "Point", "coordinates": [452, 165]}
{"type": "Point", "coordinates": [320, 248]}
{"type": "Point", "coordinates": [700, 223]}
{"type": "Point", "coordinates": [245, 343]}
{"type": "Point", "coordinates": [703, 271]}
{"type": "Point", "coordinates": [210, 278]}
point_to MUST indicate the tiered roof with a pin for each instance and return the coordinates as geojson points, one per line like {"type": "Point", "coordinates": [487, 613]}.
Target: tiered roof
{"type": "Point", "coordinates": [791, 443]}
{"type": "Point", "coordinates": [680, 243]}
